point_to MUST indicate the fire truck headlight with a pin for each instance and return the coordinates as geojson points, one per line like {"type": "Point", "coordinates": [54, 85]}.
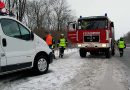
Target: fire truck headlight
{"type": "Point", "coordinates": [79, 45]}
{"type": "Point", "coordinates": [104, 45]}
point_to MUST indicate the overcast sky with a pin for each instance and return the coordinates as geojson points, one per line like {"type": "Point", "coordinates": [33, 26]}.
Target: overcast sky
{"type": "Point", "coordinates": [117, 10]}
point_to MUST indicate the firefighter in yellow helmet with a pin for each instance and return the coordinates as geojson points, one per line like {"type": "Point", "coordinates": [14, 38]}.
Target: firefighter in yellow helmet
{"type": "Point", "coordinates": [121, 46]}
{"type": "Point", "coordinates": [62, 44]}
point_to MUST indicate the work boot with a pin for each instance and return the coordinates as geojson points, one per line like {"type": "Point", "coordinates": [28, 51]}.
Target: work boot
{"type": "Point", "coordinates": [121, 54]}
{"type": "Point", "coordinates": [61, 55]}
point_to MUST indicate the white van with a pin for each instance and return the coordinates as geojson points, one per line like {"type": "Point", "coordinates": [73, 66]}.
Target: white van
{"type": "Point", "coordinates": [20, 48]}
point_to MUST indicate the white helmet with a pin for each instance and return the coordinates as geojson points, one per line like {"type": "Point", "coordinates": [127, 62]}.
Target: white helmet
{"type": "Point", "coordinates": [3, 10]}
{"type": "Point", "coordinates": [62, 34]}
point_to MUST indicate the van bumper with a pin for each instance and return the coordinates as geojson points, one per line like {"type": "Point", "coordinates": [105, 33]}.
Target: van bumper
{"type": "Point", "coordinates": [51, 57]}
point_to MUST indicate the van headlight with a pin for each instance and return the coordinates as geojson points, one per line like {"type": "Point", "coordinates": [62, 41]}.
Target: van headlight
{"type": "Point", "coordinates": [104, 45]}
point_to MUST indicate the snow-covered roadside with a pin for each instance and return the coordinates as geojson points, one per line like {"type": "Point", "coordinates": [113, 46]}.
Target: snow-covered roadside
{"type": "Point", "coordinates": [74, 73]}
{"type": "Point", "coordinates": [61, 71]}
{"type": "Point", "coordinates": [67, 52]}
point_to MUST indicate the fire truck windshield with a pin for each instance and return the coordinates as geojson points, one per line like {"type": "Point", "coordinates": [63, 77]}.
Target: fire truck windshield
{"type": "Point", "coordinates": [92, 24]}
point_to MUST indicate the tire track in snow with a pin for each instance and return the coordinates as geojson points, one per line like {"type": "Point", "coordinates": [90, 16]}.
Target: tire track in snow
{"type": "Point", "coordinates": [90, 72]}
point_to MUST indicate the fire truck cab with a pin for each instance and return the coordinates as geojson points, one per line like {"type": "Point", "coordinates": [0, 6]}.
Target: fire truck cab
{"type": "Point", "coordinates": [93, 34]}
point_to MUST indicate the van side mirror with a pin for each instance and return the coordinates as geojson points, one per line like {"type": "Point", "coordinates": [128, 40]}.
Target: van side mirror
{"type": "Point", "coordinates": [112, 24]}
{"type": "Point", "coordinates": [32, 35]}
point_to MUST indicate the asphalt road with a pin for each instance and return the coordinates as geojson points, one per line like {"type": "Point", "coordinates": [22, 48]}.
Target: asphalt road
{"type": "Point", "coordinates": [126, 61]}
{"type": "Point", "coordinates": [75, 73]}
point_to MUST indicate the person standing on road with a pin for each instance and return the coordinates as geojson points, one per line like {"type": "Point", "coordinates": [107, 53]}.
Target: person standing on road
{"type": "Point", "coordinates": [50, 42]}
{"type": "Point", "coordinates": [53, 47]}
{"type": "Point", "coordinates": [62, 43]}
{"type": "Point", "coordinates": [121, 46]}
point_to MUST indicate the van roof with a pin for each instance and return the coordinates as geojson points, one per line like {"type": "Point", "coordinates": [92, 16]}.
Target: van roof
{"type": "Point", "coordinates": [6, 17]}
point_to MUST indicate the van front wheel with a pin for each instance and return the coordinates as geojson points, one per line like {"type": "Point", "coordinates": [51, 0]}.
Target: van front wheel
{"type": "Point", "coordinates": [41, 65]}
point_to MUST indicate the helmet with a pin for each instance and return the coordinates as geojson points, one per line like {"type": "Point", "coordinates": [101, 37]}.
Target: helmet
{"type": "Point", "coordinates": [62, 34]}
{"type": "Point", "coordinates": [121, 38]}
{"type": "Point", "coordinates": [3, 10]}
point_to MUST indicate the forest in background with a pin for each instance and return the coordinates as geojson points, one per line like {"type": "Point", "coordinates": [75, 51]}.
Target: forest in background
{"type": "Point", "coordinates": [45, 15]}
{"type": "Point", "coordinates": [127, 37]}
{"type": "Point", "coordinates": [49, 15]}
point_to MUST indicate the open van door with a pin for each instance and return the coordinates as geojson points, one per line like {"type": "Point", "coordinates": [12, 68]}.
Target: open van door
{"type": "Point", "coordinates": [72, 33]}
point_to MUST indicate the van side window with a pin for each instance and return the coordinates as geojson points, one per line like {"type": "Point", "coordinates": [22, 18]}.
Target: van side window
{"type": "Point", "coordinates": [10, 28]}
{"type": "Point", "coordinates": [24, 32]}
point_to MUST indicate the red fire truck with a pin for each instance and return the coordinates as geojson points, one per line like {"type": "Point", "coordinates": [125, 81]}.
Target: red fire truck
{"type": "Point", "coordinates": [93, 34]}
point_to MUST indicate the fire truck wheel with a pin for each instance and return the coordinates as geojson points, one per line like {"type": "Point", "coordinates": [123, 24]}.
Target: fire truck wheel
{"type": "Point", "coordinates": [92, 53]}
{"type": "Point", "coordinates": [82, 52]}
{"type": "Point", "coordinates": [107, 53]}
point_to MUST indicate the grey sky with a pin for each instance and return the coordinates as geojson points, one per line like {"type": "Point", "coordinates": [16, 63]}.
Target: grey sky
{"type": "Point", "coordinates": [117, 10]}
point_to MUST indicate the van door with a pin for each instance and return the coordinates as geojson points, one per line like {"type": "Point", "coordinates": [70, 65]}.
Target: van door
{"type": "Point", "coordinates": [72, 36]}
{"type": "Point", "coordinates": [2, 58]}
{"type": "Point", "coordinates": [20, 49]}
{"type": "Point", "coordinates": [72, 33]}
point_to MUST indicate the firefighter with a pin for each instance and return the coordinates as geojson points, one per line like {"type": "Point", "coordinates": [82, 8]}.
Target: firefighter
{"type": "Point", "coordinates": [62, 44]}
{"type": "Point", "coordinates": [121, 46]}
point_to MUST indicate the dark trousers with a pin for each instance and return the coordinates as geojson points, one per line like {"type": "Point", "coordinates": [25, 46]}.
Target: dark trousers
{"type": "Point", "coordinates": [50, 46]}
{"type": "Point", "coordinates": [61, 53]}
{"type": "Point", "coordinates": [53, 51]}
{"type": "Point", "coordinates": [121, 50]}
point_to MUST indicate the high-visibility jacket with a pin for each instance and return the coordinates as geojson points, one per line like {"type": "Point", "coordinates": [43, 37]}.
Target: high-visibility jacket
{"type": "Point", "coordinates": [49, 39]}
{"type": "Point", "coordinates": [121, 44]}
{"type": "Point", "coordinates": [62, 42]}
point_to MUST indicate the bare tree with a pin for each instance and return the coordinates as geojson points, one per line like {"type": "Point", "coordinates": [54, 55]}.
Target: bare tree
{"type": "Point", "coordinates": [127, 37]}
{"type": "Point", "coordinates": [21, 5]}
{"type": "Point", "coordinates": [61, 11]}
{"type": "Point", "coordinates": [48, 14]}
{"type": "Point", "coordinates": [17, 6]}
{"type": "Point", "coordinates": [38, 11]}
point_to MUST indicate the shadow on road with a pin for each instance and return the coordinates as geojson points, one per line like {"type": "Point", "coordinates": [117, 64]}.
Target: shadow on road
{"type": "Point", "coordinates": [20, 75]}
{"type": "Point", "coordinates": [96, 56]}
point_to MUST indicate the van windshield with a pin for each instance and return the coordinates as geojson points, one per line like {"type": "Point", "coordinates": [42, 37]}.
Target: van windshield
{"type": "Point", "coordinates": [92, 24]}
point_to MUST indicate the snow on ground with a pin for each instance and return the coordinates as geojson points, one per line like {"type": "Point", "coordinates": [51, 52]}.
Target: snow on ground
{"type": "Point", "coordinates": [73, 73]}
{"type": "Point", "coordinates": [120, 74]}
{"type": "Point", "coordinates": [113, 76]}
{"type": "Point", "coordinates": [90, 73]}
{"type": "Point", "coordinates": [61, 71]}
